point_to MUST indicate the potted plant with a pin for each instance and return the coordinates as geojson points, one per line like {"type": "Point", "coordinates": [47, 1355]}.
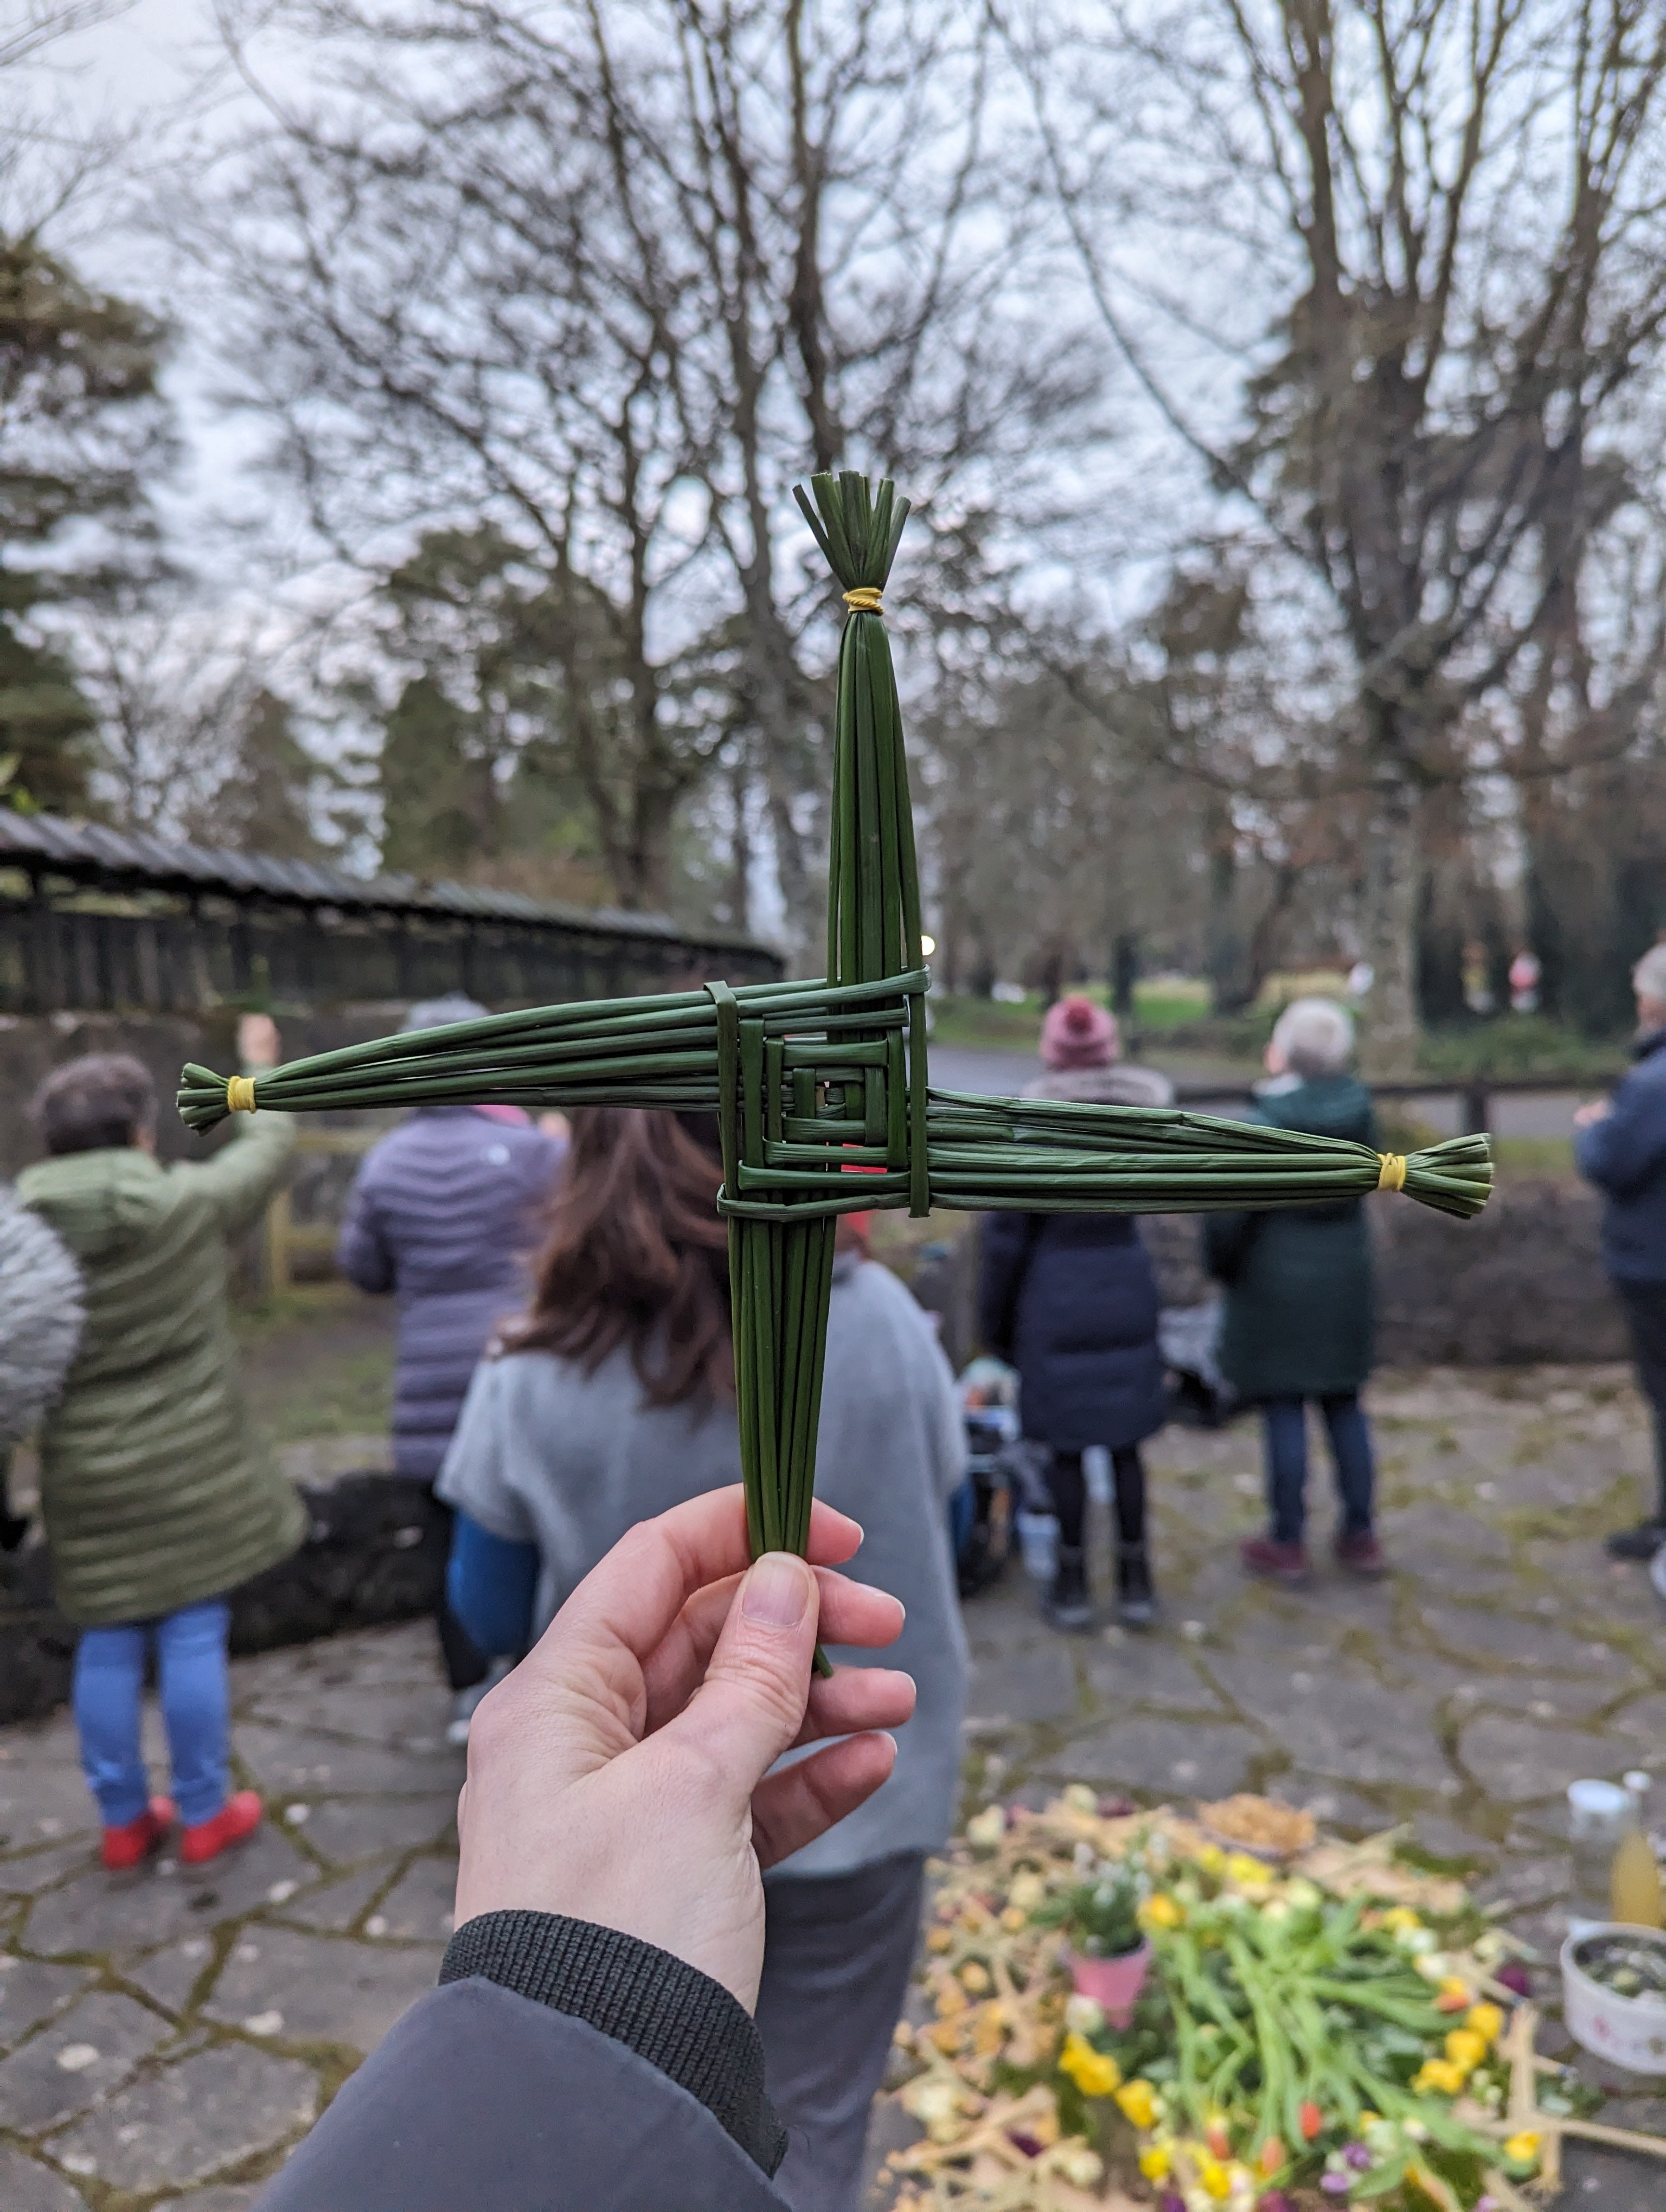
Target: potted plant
{"type": "Point", "coordinates": [1107, 1950]}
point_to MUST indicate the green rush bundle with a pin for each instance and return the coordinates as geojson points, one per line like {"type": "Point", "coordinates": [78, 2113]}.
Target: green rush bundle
{"type": "Point", "coordinates": [821, 1089]}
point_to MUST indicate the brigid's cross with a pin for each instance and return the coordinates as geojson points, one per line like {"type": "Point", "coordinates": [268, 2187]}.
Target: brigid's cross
{"type": "Point", "coordinates": [809, 1080]}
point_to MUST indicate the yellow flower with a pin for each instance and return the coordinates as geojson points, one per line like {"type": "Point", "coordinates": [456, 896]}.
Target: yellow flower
{"type": "Point", "coordinates": [1440, 2073]}
{"type": "Point", "coordinates": [1138, 2101]}
{"type": "Point", "coordinates": [1161, 1912]}
{"type": "Point", "coordinates": [1210, 1858]}
{"type": "Point", "coordinates": [1012, 1920]}
{"type": "Point", "coordinates": [1094, 2075]}
{"type": "Point", "coordinates": [1215, 2179]}
{"type": "Point", "coordinates": [1487, 2020]}
{"type": "Point", "coordinates": [974, 1977]}
{"type": "Point", "coordinates": [1521, 2149]}
{"type": "Point", "coordinates": [1401, 1916]}
{"type": "Point", "coordinates": [1241, 1868]}
{"type": "Point", "coordinates": [938, 1940]}
{"type": "Point", "coordinates": [1465, 2048]}
{"type": "Point", "coordinates": [1453, 1995]}
{"type": "Point", "coordinates": [1367, 2119]}
{"type": "Point", "coordinates": [1155, 2163]}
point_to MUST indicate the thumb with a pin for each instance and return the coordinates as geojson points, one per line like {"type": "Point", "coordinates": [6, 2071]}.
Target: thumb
{"type": "Point", "coordinates": [752, 1704]}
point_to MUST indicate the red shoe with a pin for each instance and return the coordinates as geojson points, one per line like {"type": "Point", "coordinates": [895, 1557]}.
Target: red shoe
{"type": "Point", "coordinates": [1359, 1553]}
{"type": "Point", "coordinates": [238, 1818]}
{"type": "Point", "coordinates": [1271, 1561]}
{"type": "Point", "coordinates": [130, 1846]}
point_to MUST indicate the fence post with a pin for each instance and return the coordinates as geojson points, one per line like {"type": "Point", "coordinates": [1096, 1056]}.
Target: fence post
{"type": "Point", "coordinates": [1476, 1105]}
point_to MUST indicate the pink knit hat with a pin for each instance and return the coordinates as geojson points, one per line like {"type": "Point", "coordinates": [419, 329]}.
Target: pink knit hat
{"type": "Point", "coordinates": [1077, 1034]}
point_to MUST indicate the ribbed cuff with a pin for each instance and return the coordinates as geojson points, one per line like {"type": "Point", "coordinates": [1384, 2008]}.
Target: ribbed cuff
{"type": "Point", "coordinates": [667, 2012]}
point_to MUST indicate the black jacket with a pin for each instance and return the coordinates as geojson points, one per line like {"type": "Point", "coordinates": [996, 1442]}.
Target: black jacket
{"type": "Point", "coordinates": [1070, 1300]}
{"type": "Point", "coordinates": [559, 2068]}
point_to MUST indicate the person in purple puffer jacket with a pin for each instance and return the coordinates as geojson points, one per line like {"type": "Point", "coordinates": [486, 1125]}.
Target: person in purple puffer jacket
{"type": "Point", "coordinates": [443, 1213]}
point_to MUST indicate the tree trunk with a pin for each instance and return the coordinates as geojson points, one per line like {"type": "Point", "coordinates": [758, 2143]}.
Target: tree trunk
{"type": "Point", "coordinates": [1388, 927]}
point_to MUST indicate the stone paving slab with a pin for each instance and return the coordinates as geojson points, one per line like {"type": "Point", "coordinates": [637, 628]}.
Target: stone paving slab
{"type": "Point", "coordinates": [1504, 1658]}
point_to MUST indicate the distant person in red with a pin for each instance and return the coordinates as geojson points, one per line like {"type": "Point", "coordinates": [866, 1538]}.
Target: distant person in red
{"type": "Point", "coordinates": [443, 1214]}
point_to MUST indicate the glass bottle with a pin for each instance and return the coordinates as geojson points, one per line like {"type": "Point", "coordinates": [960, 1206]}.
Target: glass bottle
{"type": "Point", "coordinates": [1602, 1815]}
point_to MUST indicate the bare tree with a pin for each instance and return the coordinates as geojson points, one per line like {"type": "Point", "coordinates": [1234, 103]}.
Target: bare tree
{"type": "Point", "coordinates": [1426, 244]}
{"type": "Point", "coordinates": [611, 279]}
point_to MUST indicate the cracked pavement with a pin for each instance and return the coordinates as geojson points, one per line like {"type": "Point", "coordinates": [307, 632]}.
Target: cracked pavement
{"type": "Point", "coordinates": [166, 2036]}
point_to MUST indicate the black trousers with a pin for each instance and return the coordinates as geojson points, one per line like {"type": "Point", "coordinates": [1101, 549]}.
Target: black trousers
{"type": "Point", "coordinates": [465, 1663]}
{"type": "Point", "coordinates": [837, 1952]}
{"type": "Point", "coordinates": [1645, 1317]}
{"type": "Point", "coordinates": [1068, 1485]}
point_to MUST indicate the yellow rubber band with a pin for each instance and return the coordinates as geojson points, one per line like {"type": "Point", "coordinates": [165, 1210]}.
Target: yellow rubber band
{"type": "Point", "coordinates": [239, 1094]}
{"type": "Point", "coordinates": [1393, 1174]}
{"type": "Point", "coordinates": [865, 600]}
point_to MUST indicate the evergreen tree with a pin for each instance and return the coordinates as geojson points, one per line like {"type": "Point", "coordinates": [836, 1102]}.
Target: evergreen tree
{"type": "Point", "coordinates": [82, 422]}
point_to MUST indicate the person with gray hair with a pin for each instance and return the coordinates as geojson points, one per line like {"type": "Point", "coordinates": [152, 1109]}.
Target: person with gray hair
{"type": "Point", "coordinates": [442, 1215]}
{"type": "Point", "coordinates": [1298, 1310]}
{"type": "Point", "coordinates": [1620, 1145]}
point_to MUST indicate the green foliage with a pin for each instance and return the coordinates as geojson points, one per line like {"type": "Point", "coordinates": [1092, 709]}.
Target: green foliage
{"type": "Point", "coordinates": [81, 423]}
{"type": "Point", "coordinates": [1100, 1917]}
{"type": "Point", "coordinates": [1519, 1045]}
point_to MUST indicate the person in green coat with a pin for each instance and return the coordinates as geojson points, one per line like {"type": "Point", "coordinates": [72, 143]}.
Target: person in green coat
{"type": "Point", "coordinates": [154, 1502]}
{"type": "Point", "coordinates": [1298, 1312]}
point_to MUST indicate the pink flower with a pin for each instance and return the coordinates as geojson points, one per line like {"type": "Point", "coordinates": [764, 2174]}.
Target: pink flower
{"type": "Point", "coordinates": [1514, 1976]}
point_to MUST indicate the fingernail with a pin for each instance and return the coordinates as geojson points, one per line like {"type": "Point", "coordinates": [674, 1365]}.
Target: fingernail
{"type": "Point", "coordinates": [778, 1589]}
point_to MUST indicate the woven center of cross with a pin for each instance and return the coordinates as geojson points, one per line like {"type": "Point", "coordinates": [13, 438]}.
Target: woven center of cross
{"type": "Point", "coordinates": [821, 1089]}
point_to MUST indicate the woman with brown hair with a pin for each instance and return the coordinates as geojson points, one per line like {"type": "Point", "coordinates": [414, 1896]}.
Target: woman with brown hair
{"type": "Point", "coordinates": [611, 1400]}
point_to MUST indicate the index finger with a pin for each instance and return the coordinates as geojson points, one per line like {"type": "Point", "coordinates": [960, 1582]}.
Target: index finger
{"type": "Point", "coordinates": [633, 1595]}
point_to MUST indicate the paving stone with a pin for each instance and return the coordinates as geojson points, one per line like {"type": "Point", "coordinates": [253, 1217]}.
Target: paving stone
{"type": "Point", "coordinates": [26, 1873]}
{"type": "Point", "coordinates": [70, 2064]}
{"type": "Point", "coordinates": [28, 2187]}
{"type": "Point", "coordinates": [1644, 1721]}
{"type": "Point", "coordinates": [320, 1987]}
{"type": "Point", "coordinates": [31, 1991]}
{"type": "Point", "coordinates": [345, 1829]}
{"type": "Point", "coordinates": [172, 1974]}
{"type": "Point", "coordinates": [357, 1714]}
{"type": "Point", "coordinates": [1146, 1670]}
{"type": "Point", "coordinates": [1518, 1639]}
{"type": "Point", "coordinates": [43, 1803]}
{"type": "Point", "coordinates": [1037, 1685]}
{"type": "Point", "coordinates": [186, 2122]}
{"type": "Point", "coordinates": [296, 1763]}
{"type": "Point", "coordinates": [419, 1907]}
{"type": "Point", "coordinates": [1515, 1760]}
{"type": "Point", "coordinates": [122, 1915]}
{"type": "Point", "coordinates": [337, 1905]}
{"type": "Point", "coordinates": [1163, 1759]}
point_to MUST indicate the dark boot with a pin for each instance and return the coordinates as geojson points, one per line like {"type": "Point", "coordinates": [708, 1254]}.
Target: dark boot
{"type": "Point", "coordinates": [1069, 1605]}
{"type": "Point", "coordinates": [1136, 1601]}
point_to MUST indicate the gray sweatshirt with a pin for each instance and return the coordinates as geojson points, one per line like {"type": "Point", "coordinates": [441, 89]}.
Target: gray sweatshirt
{"type": "Point", "coordinates": [547, 1454]}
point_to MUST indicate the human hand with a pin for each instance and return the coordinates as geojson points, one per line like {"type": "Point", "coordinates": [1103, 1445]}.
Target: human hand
{"type": "Point", "coordinates": [1593, 1109]}
{"type": "Point", "coordinates": [618, 1774]}
{"type": "Point", "coordinates": [257, 1041]}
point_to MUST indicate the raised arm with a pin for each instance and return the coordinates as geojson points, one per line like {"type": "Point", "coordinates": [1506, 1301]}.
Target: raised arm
{"type": "Point", "coordinates": [243, 1174]}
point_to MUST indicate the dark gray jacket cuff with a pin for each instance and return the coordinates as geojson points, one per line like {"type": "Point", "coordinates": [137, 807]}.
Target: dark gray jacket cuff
{"type": "Point", "coordinates": [667, 2012]}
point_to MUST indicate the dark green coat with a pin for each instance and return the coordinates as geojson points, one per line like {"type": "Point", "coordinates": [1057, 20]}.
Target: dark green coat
{"type": "Point", "coordinates": [153, 1493]}
{"type": "Point", "coordinates": [1298, 1319]}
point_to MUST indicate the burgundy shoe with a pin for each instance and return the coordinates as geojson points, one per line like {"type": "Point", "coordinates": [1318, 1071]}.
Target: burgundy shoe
{"type": "Point", "coordinates": [1359, 1552]}
{"type": "Point", "coordinates": [1275, 1562]}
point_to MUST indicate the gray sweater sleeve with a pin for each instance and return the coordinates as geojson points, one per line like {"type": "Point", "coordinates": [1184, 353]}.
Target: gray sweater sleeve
{"type": "Point", "coordinates": [559, 2068]}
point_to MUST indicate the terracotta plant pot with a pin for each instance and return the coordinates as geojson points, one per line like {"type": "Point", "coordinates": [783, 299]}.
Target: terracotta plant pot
{"type": "Point", "coordinates": [1115, 1984]}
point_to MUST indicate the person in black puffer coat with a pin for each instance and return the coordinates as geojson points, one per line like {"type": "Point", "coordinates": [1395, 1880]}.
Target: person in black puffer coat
{"type": "Point", "coordinates": [1070, 1300]}
{"type": "Point", "coordinates": [1298, 1319]}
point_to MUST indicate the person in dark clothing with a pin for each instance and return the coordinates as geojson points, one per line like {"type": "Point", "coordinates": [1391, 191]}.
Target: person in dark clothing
{"type": "Point", "coordinates": [591, 2048]}
{"type": "Point", "coordinates": [442, 1213]}
{"type": "Point", "coordinates": [1297, 1326]}
{"type": "Point", "coordinates": [1620, 1145]}
{"type": "Point", "coordinates": [1070, 1300]}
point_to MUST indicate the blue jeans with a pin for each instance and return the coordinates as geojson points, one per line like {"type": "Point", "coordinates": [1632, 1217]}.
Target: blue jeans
{"type": "Point", "coordinates": [1286, 1437]}
{"type": "Point", "coordinates": [196, 1695]}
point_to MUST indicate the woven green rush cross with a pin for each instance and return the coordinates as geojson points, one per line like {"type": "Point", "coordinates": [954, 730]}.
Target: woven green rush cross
{"type": "Point", "coordinates": [812, 1080]}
